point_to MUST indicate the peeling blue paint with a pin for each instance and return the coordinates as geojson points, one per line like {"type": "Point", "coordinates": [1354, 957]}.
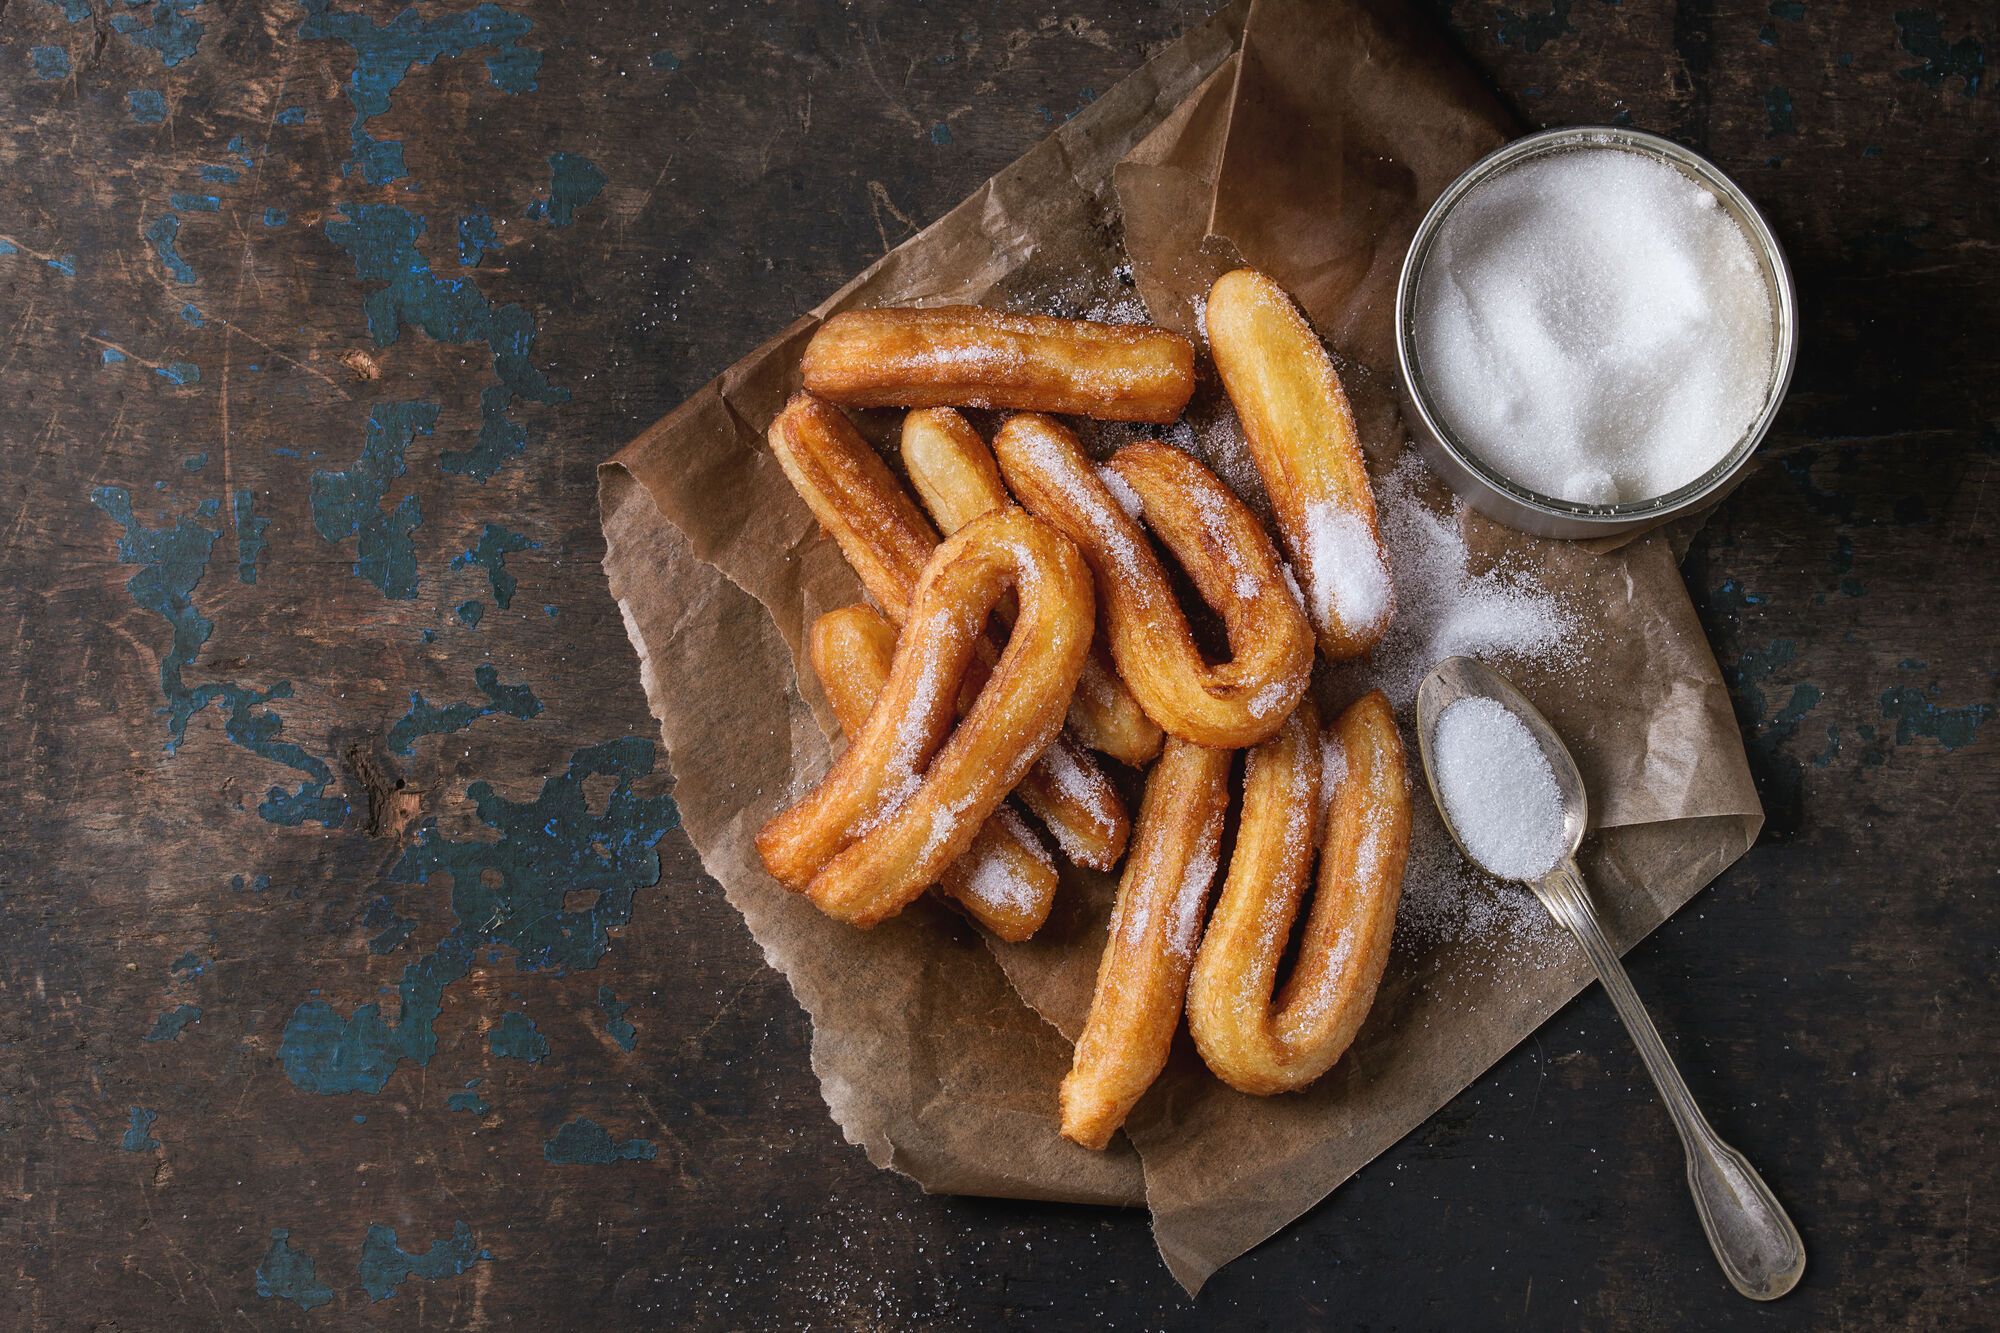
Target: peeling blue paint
{"type": "Point", "coordinates": [139, 1138]}
{"type": "Point", "coordinates": [222, 175]}
{"type": "Point", "coordinates": [275, 217]}
{"type": "Point", "coordinates": [574, 180]}
{"type": "Point", "coordinates": [290, 1275]}
{"type": "Point", "coordinates": [1922, 35]}
{"type": "Point", "coordinates": [172, 34]}
{"type": "Point", "coordinates": [170, 1025]}
{"type": "Point", "coordinates": [940, 133]}
{"type": "Point", "coordinates": [395, 928]}
{"type": "Point", "coordinates": [163, 233]}
{"type": "Point", "coordinates": [291, 115]}
{"type": "Point", "coordinates": [1831, 752]}
{"type": "Point", "coordinates": [1792, 11]}
{"type": "Point", "coordinates": [384, 54]}
{"type": "Point", "coordinates": [1916, 716]}
{"type": "Point", "coordinates": [615, 1024]}
{"type": "Point", "coordinates": [490, 553]}
{"type": "Point", "coordinates": [250, 542]}
{"type": "Point", "coordinates": [665, 61]}
{"type": "Point", "coordinates": [429, 719]}
{"type": "Point", "coordinates": [475, 237]}
{"type": "Point", "coordinates": [73, 11]}
{"type": "Point", "coordinates": [515, 1037]}
{"type": "Point", "coordinates": [50, 62]}
{"type": "Point", "coordinates": [468, 1099]}
{"type": "Point", "coordinates": [179, 373]}
{"type": "Point", "coordinates": [382, 241]}
{"type": "Point", "coordinates": [386, 1265]}
{"type": "Point", "coordinates": [349, 503]}
{"type": "Point", "coordinates": [188, 964]}
{"type": "Point", "coordinates": [173, 561]}
{"type": "Point", "coordinates": [1778, 112]}
{"type": "Point", "coordinates": [195, 462]}
{"type": "Point", "coordinates": [584, 1142]}
{"type": "Point", "coordinates": [469, 613]}
{"type": "Point", "coordinates": [111, 356]}
{"type": "Point", "coordinates": [546, 849]}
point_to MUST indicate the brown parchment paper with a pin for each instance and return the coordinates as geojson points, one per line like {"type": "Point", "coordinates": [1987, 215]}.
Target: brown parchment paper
{"type": "Point", "coordinates": [1306, 138]}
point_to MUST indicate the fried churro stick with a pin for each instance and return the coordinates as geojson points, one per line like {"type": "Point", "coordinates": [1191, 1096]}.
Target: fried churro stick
{"type": "Point", "coordinates": [1224, 551]}
{"type": "Point", "coordinates": [1301, 436]}
{"type": "Point", "coordinates": [1252, 1043]}
{"type": "Point", "coordinates": [1143, 971]}
{"type": "Point", "coordinates": [1006, 882]}
{"type": "Point", "coordinates": [954, 474]}
{"type": "Point", "coordinates": [967, 356]}
{"type": "Point", "coordinates": [887, 540]}
{"type": "Point", "coordinates": [903, 801]}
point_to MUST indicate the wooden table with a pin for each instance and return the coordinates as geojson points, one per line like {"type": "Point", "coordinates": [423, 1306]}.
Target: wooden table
{"type": "Point", "coordinates": [319, 316]}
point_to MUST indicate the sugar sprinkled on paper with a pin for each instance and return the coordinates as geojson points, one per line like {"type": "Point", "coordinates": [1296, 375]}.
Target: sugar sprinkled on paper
{"type": "Point", "coordinates": [1498, 789]}
{"type": "Point", "coordinates": [1594, 326]}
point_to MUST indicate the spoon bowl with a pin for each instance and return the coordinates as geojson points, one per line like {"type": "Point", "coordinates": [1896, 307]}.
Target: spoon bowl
{"type": "Point", "coordinates": [1458, 678]}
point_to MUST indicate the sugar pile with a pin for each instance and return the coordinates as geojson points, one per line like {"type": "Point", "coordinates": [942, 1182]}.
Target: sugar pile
{"type": "Point", "coordinates": [1498, 789]}
{"type": "Point", "coordinates": [1595, 326]}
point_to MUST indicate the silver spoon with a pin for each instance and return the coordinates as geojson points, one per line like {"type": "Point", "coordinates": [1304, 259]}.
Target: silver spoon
{"type": "Point", "coordinates": [1757, 1245]}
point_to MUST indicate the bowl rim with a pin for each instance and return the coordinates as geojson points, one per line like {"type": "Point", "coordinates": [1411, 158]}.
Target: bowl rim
{"type": "Point", "coordinates": [1784, 313]}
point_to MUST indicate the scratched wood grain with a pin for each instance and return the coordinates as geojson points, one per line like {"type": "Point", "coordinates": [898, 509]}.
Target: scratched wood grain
{"type": "Point", "coordinates": [233, 235]}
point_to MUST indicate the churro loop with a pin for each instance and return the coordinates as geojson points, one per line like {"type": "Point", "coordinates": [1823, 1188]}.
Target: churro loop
{"type": "Point", "coordinates": [956, 478]}
{"type": "Point", "coordinates": [1142, 974]}
{"type": "Point", "coordinates": [903, 802]}
{"type": "Point", "coordinates": [1220, 544]}
{"type": "Point", "coordinates": [967, 356]}
{"type": "Point", "coordinates": [1301, 435]}
{"type": "Point", "coordinates": [1252, 1043]}
{"type": "Point", "coordinates": [1006, 881]}
{"type": "Point", "coordinates": [887, 540]}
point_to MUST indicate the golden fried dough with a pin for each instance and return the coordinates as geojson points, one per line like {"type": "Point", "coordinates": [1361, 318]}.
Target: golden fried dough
{"type": "Point", "coordinates": [954, 474]}
{"type": "Point", "coordinates": [903, 802]}
{"type": "Point", "coordinates": [1142, 974]}
{"type": "Point", "coordinates": [1301, 435]}
{"type": "Point", "coordinates": [1006, 881]}
{"type": "Point", "coordinates": [967, 356]}
{"type": "Point", "coordinates": [1252, 1043]}
{"type": "Point", "coordinates": [1218, 542]}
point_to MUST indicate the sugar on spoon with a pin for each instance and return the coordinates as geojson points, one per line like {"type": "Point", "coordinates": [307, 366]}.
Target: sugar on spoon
{"type": "Point", "coordinates": [1521, 819]}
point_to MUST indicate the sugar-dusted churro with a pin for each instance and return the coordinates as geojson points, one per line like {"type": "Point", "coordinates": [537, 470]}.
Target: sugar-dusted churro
{"type": "Point", "coordinates": [1220, 544]}
{"type": "Point", "coordinates": [968, 356]}
{"type": "Point", "coordinates": [1005, 881]}
{"type": "Point", "coordinates": [1301, 435]}
{"type": "Point", "coordinates": [954, 474]}
{"type": "Point", "coordinates": [1251, 1042]}
{"type": "Point", "coordinates": [905, 801]}
{"type": "Point", "coordinates": [1142, 974]}
{"type": "Point", "coordinates": [887, 540]}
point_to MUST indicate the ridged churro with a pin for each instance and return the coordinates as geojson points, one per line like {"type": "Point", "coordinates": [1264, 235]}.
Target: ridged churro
{"type": "Point", "coordinates": [1301, 434]}
{"type": "Point", "coordinates": [1142, 974]}
{"type": "Point", "coordinates": [954, 474]}
{"type": "Point", "coordinates": [887, 540]}
{"type": "Point", "coordinates": [904, 801]}
{"type": "Point", "coordinates": [968, 356]}
{"type": "Point", "coordinates": [1220, 544]}
{"type": "Point", "coordinates": [1359, 774]}
{"type": "Point", "coordinates": [1005, 881]}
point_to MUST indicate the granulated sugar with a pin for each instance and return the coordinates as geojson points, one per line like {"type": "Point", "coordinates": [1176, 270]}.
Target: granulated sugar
{"type": "Point", "coordinates": [1443, 608]}
{"type": "Point", "coordinates": [1498, 789]}
{"type": "Point", "coordinates": [1595, 326]}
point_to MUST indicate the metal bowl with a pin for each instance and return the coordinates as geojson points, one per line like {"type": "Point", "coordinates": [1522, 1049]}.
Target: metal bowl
{"type": "Point", "coordinates": [1509, 502]}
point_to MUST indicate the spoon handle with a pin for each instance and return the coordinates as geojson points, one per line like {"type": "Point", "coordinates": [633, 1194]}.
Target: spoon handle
{"type": "Point", "coordinates": [1756, 1243]}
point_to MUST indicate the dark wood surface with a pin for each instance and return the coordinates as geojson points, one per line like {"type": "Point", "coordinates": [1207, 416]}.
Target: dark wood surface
{"type": "Point", "coordinates": [1832, 997]}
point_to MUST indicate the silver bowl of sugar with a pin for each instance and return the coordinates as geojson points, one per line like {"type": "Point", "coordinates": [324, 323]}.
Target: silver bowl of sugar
{"type": "Point", "coordinates": [1595, 328]}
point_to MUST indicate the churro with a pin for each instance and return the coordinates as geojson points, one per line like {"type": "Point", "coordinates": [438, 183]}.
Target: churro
{"type": "Point", "coordinates": [967, 356]}
{"type": "Point", "coordinates": [887, 540]}
{"type": "Point", "coordinates": [1142, 974]}
{"type": "Point", "coordinates": [1251, 1042]}
{"type": "Point", "coordinates": [955, 476]}
{"type": "Point", "coordinates": [1301, 434]}
{"type": "Point", "coordinates": [904, 801]}
{"type": "Point", "coordinates": [1005, 881]}
{"type": "Point", "coordinates": [1220, 544]}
